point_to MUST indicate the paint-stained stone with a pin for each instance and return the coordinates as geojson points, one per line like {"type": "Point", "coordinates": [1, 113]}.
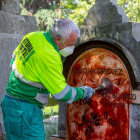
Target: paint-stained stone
{"type": "Point", "coordinates": [107, 22]}
{"type": "Point", "coordinates": [121, 34]}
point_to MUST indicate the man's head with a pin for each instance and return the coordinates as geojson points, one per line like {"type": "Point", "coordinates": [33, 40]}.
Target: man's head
{"type": "Point", "coordinates": [65, 33]}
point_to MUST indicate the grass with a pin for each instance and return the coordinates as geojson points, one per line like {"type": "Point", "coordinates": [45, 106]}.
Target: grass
{"type": "Point", "coordinates": [51, 109]}
{"type": "Point", "coordinates": [50, 129]}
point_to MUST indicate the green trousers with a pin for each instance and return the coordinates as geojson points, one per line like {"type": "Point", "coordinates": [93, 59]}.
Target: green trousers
{"type": "Point", "coordinates": [22, 120]}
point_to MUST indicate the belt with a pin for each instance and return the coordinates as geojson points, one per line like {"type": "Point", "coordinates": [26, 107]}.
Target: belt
{"type": "Point", "coordinates": [9, 96]}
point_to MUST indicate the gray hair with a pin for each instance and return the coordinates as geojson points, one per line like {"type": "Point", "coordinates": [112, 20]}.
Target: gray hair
{"type": "Point", "coordinates": [63, 28]}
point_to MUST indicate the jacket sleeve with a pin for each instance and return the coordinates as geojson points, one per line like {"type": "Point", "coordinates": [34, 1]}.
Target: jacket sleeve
{"type": "Point", "coordinates": [55, 83]}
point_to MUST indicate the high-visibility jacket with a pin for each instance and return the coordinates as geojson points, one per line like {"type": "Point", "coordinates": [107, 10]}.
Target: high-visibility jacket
{"type": "Point", "coordinates": [37, 70]}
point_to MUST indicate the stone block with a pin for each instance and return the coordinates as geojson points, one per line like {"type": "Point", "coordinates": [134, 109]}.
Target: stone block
{"type": "Point", "coordinates": [103, 3]}
{"type": "Point", "coordinates": [1, 116]}
{"type": "Point", "coordinates": [62, 119]}
{"type": "Point", "coordinates": [136, 31]}
{"type": "Point", "coordinates": [11, 7]}
{"type": "Point", "coordinates": [135, 122]}
{"type": "Point", "coordinates": [30, 24]}
{"type": "Point", "coordinates": [8, 45]}
{"type": "Point", "coordinates": [6, 23]}
{"type": "Point", "coordinates": [16, 24]}
{"type": "Point", "coordinates": [1, 132]}
{"type": "Point", "coordinates": [19, 24]}
{"type": "Point", "coordinates": [125, 31]}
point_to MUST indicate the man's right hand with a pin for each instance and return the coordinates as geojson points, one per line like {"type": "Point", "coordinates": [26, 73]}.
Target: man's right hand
{"type": "Point", "coordinates": [88, 92]}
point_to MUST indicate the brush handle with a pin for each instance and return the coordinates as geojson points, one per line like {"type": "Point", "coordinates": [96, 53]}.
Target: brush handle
{"type": "Point", "coordinates": [100, 87]}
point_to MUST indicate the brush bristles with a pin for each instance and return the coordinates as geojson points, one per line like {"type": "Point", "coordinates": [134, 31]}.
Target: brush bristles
{"type": "Point", "coordinates": [108, 85]}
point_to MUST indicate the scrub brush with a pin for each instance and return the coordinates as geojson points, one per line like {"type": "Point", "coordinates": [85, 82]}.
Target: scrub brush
{"type": "Point", "coordinates": [106, 86]}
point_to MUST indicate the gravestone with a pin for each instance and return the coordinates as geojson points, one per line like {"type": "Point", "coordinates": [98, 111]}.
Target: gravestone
{"type": "Point", "coordinates": [12, 29]}
{"type": "Point", "coordinates": [107, 27]}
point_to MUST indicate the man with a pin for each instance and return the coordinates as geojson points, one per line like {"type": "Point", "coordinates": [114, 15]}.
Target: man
{"type": "Point", "coordinates": [37, 72]}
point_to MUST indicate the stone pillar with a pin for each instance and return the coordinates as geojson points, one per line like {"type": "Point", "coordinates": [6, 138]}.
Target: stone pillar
{"type": "Point", "coordinates": [13, 27]}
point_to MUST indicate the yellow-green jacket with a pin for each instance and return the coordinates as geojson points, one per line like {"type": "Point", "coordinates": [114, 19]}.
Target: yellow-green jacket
{"type": "Point", "coordinates": [37, 70]}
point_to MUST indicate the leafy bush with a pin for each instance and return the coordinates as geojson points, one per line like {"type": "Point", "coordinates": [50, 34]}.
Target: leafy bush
{"type": "Point", "coordinates": [52, 101]}
{"type": "Point", "coordinates": [23, 11]}
{"type": "Point", "coordinates": [45, 19]}
{"type": "Point", "coordinates": [76, 10]}
{"type": "Point", "coordinates": [132, 9]}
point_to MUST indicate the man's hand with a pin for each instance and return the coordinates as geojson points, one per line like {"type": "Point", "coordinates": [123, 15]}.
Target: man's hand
{"type": "Point", "coordinates": [88, 92]}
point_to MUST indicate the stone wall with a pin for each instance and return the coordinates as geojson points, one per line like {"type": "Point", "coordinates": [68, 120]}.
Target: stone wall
{"type": "Point", "coordinates": [12, 29]}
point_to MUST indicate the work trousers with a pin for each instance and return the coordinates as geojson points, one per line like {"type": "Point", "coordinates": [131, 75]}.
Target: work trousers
{"type": "Point", "coordinates": [22, 120]}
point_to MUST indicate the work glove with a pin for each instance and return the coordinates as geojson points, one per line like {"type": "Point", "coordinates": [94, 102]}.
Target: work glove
{"type": "Point", "coordinates": [88, 91]}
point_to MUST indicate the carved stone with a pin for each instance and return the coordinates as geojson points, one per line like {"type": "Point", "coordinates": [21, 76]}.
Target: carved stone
{"type": "Point", "coordinates": [105, 12]}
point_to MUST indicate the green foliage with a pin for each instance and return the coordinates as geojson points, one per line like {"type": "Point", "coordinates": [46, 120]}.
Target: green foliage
{"type": "Point", "coordinates": [52, 101]}
{"type": "Point", "coordinates": [51, 125]}
{"type": "Point", "coordinates": [24, 1]}
{"type": "Point", "coordinates": [23, 10]}
{"type": "Point", "coordinates": [76, 10]}
{"type": "Point", "coordinates": [45, 19]}
{"type": "Point", "coordinates": [132, 9]}
{"type": "Point", "coordinates": [50, 129]}
{"type": "Point", "coordinates": [50, 111]}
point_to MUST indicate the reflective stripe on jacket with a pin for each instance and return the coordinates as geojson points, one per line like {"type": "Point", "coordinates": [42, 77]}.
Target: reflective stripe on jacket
{"type": "Point", "coordinates": [37, 68]}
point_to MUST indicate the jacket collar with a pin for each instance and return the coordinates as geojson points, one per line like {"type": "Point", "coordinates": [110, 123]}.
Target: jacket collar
{"type": "Point", "coordinates": [50, 40]}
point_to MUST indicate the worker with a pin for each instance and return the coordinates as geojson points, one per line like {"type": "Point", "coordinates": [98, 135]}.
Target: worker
{"type": "Point", "coordinates": [36, 72]}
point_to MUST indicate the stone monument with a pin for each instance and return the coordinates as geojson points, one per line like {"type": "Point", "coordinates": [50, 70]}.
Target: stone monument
{"type": "Point", "coordinates": [107, 23]}
{"type": "Point", "coordinates": [13, 27]}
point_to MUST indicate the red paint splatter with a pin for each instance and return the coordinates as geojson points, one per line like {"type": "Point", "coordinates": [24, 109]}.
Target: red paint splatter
{"type": "Point", "coordinates": [112, 121]}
